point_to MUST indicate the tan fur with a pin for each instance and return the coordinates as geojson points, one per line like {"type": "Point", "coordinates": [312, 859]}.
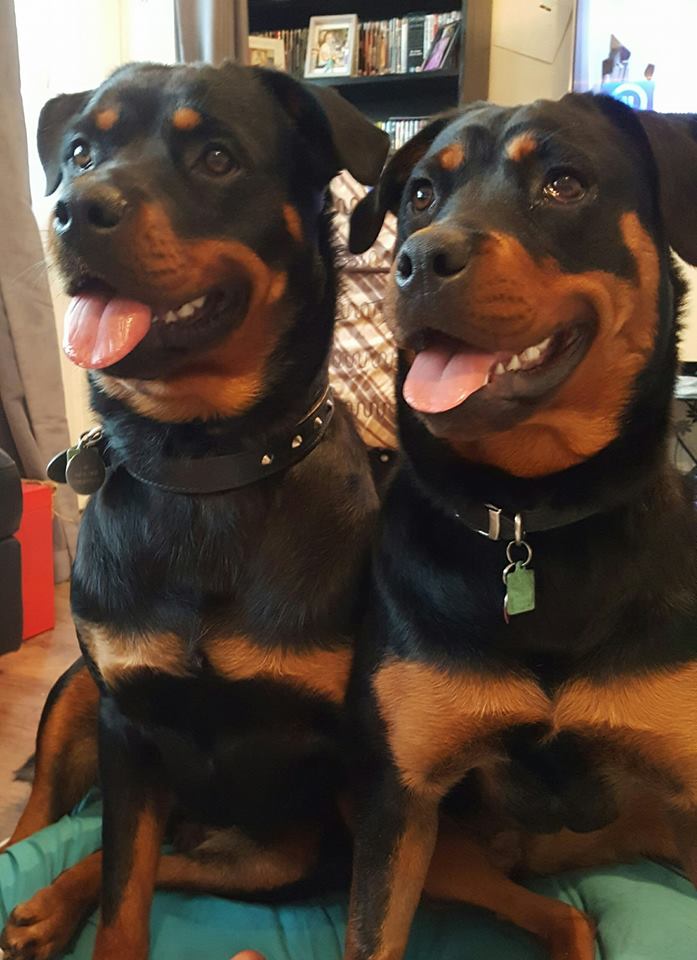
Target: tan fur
{"type": "Point", "coordinates": [230, 862]}
{"type": "Point", "coordinates": [126, 935]}
{"type": "Point", "coordinates": [521, 147]}
{"type": "Point", "coordinates": [186, 118]}
{"type": "Point", "coordinates": [522, 300]}
{"type": "Point", "coordinates": [116, 654]}
{"type": "Point", "coordinates": [451, 157]}
{"type": "Point", "coordinates": [440, 724]}
{"type": "Point", "coordinates": [107, 119]}
{"type": "Point", "coordinates": [321, 671]}
{"type": "Point", "coordinates": [43, 926]}
{"type": "Point", "coordinates": [228, 378]}
{"type": "Point", "coordinates": [652, 717]}
{"type": "Point", "coordinates": [68, 738]}
{"type": "Point", "coordinates": [293, 222]}
{"type": "Point", "coordinates": [461, 871]}
{"type": "Point", "coordinates": [643, 829]}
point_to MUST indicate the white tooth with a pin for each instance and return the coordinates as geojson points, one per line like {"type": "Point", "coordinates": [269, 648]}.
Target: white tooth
{"type": "Point", "coordinates": [188, 310]}
{"type": "Point", "coordinates": [500, 368]}
{"type": "Point", "coordinates": [543, 346]}
{"type": "Point", "coordinates": [531, 354]}
{"type": "Point", "coordinates": [514, 363]}
{"type": "Point", "coordinates": [170, 317]}
{"type": "Point", "coordinates": [197, 304]}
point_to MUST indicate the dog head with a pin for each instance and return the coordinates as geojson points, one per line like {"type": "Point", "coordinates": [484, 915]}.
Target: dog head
{"type": "Point", "coordinates": [186, 227]}
{"type": "Point", "coordinates": [530, 287]}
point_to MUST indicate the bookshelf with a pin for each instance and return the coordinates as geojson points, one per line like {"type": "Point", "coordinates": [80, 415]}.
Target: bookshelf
{"type": "Point", "coordinates": [388, 95]}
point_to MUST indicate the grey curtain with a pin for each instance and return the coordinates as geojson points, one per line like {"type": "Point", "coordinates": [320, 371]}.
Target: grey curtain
{"type": "Point", "coordinates": [212, 30]}
{"type": "Point", "coordinates": [33, 418]}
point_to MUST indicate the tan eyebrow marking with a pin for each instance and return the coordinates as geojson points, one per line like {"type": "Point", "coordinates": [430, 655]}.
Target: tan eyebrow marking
{"type": "Point", "coordinates": [451, 157]}
{"type": "Point", "coordinates": [293, 222]}
{"type": "Point", "coordinates": [186, 118]}
{"type": "Point", "coordinates": [107, 118]}
{"type": "Point", "coordinates": [521, 147]}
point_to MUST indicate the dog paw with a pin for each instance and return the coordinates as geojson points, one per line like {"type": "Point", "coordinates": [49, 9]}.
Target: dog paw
{"type": "Point", "coordinates": [40, 928]}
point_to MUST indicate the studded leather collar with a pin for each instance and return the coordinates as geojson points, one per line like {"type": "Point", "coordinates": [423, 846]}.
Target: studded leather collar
{"type": "Point", "coordinates": [204, 475]}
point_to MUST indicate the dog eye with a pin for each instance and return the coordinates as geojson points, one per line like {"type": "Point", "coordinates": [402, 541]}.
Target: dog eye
{"type": "Point", "coordinates": [564, 188]}
{"type": "Point", "coordinates": [422, 195]}
{"type": "Point", "coordinates": [217, 160]}
{"type": "Point", "coordinates": [80, 154]}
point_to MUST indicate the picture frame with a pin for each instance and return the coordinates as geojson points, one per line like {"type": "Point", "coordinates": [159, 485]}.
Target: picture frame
{"type": "Point", "coordinates": [332, 46]}
{"type": "Point", "coordinates": [267, 52]}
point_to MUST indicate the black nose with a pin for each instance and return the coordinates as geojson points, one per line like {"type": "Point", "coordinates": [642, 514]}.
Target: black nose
{"type": "Point", "coordinates": [99, 208]}
{"type": "Point", "coordinates": [431, 256]}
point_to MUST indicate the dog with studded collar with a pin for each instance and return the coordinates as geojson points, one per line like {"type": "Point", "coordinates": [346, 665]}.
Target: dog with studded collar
{"type": "Point", "coordinates": [220, 562]}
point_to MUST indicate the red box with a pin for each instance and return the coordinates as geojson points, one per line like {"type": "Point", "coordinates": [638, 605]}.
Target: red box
{"type": "Point", "coordinates": [36, 539]}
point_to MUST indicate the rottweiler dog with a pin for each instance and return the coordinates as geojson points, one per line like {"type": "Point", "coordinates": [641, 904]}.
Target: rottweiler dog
{"type": "Point", "coordinates": [530, 659]}
{"type": "Point", "coordinates": [220, 564]}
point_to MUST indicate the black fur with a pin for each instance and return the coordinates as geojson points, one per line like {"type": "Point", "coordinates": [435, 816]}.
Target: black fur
{"type": "Point", "coordinates": [616, 592]}
{"type": "Point", "coordinates": [280, 563]}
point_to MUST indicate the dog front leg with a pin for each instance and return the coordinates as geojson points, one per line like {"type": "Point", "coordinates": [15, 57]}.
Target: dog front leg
{"type": "Point", "coordinates": [66, 752]}
{"type": "Point", "coordinates": [394, 841]}
{"type": "Point", "coordinates": [135, 813]}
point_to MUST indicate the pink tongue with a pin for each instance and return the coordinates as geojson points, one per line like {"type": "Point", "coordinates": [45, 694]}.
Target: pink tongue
{"type": "Point", "coordinates": [440, 378]}
{"type": "Point", "coordinates": [99, 331]}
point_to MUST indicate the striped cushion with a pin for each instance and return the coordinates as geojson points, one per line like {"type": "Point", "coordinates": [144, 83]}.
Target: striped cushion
{"type": "Point", "coordinates": [363, 360]}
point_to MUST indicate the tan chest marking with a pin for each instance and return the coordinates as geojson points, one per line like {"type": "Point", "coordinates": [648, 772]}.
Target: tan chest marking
{"type": "Point", "coordinates": [117, 654]}
{"type": "Point", "coordinates": [653, 717]}
{"type": "Point", "coordinates": [432, 718]}
{"type": "Point", "coordinates": [321, 671]}
{"type": "Point", "coordinates": [439, 723]}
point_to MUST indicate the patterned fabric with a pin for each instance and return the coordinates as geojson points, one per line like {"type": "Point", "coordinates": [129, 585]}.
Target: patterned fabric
{"type": "Point", "coordinates": [363, 360]}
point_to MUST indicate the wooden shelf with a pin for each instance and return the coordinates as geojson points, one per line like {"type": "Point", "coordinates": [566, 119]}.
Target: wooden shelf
{"type": "Point", "coordinates": [406, 81]}
{"type": "Point", "coordinates": [398, 94]}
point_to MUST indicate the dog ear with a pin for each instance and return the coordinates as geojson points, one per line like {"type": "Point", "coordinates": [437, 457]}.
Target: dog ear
{"type": "Point", "coordinates": [53, 122]}
{"type": "Point", "coordinates": [341, 137]}
{"type": "Point", "coordinates": [673, 139]}
{"type": "Point", "coordinates": [369, 213]}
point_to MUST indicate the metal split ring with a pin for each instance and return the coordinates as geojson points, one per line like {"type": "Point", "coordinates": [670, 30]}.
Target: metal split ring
{"type": "Point", "coordinates": [521, 543]}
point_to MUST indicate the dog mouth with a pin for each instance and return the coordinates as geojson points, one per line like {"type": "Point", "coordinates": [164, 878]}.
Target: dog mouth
{"type": "Point", "coordinates": [446, 371]}
{"type": "Point", "coordinates": [102, 327]}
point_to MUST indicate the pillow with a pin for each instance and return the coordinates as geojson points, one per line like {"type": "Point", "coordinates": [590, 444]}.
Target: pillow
{"type": "Point", "coordinates": [644, 911]}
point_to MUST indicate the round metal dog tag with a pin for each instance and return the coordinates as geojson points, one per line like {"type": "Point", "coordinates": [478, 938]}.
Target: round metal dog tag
{"type": "Point", "coordinates": [85, 471]}
{"type": "Point", "coordinates": [57, 467]}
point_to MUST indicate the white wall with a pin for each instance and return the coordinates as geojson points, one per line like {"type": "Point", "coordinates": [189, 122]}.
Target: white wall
{"type": "Point", "coordinates": [70, 46]}
{"type": "Point", "coordinates": [515, 78]}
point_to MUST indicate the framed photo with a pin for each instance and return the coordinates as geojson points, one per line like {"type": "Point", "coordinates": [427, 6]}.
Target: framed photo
{"type": "Point", "coordinates": [267, 52]}
{"type": "Point", "coordinates": [332, 46]}
{"type": "Point", "coordinates": [442, 47]}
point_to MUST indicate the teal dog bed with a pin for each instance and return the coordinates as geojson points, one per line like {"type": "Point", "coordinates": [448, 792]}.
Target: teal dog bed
{"type": "Point", "coordinates": [644, 912]}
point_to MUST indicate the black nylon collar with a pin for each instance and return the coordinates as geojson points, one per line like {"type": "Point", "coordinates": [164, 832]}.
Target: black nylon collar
{"type": "Point", "coordinates": [204, 475]}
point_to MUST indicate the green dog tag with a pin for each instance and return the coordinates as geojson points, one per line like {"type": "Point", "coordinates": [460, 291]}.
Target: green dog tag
{"type": "Point", "coordinates": [520, 590]}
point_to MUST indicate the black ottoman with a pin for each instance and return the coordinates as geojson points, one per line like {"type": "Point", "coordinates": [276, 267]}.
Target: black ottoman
{"type": "Point", "coordinates": [10, 565]}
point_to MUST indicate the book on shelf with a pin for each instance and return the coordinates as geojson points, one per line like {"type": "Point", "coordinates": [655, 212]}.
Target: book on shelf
{"type": "Point", "coordinates": [397, 46]}
{"type": "Point", "coordinates": [402, 129]}
{"type": "Point", "coordinates": [404, 44]}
